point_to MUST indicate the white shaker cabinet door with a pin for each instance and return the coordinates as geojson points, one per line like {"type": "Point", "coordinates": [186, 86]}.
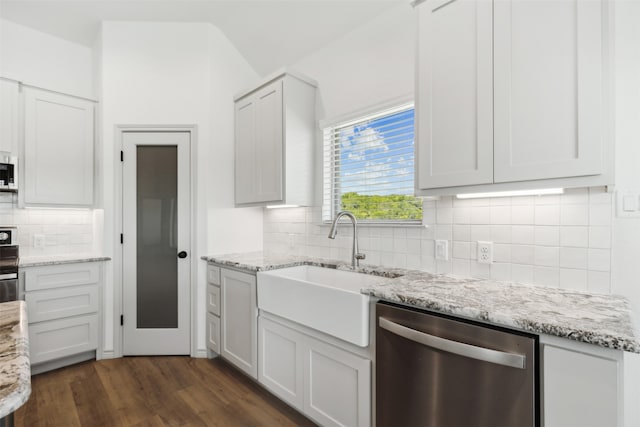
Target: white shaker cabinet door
{"type": "Point", "coordinates": [239, 320]}
{"type": "Point", "coordinates": [9, 96]}
{"type": "Point", "coordinates": [259, 146]}
{"type": "Point", "coordinates": [245, 142]}
{"type": "Point", "coordinates": [281, 361]}
{"type": "Point", "coordinates": [269, 143]}
{"type": "Point", "coordinates": [548, 89]}
{"type": "Point", "coordinates": [58, 149]}
{"type": "Point", "coordinates": [454, 93]}
{"type": "Point", "coordinates": [338, 386]}
{"type": "Point", "coordinates": [580, 389]}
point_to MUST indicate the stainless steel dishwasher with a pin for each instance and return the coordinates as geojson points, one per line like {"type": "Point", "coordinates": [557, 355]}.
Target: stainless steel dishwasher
{"type": "Point", "coordinates": [436, 371]}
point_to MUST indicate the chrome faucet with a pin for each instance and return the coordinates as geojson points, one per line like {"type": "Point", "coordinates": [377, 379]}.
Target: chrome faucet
{"type": "Point", "coordinates": [355, 256]}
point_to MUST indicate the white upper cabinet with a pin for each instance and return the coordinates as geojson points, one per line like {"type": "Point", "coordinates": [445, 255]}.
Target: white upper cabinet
{"type": "Point", "coordinates": [259, 145]}
{"type": "Point", "coordinates": [454, 93]}
{"type": "Point", "coordinates": [58, 150]}
{"type": "Point", "coordinates": [274, 142]}
{"type": "Point", "coordinates": [9, 95]}
{"type": "Point", "coordinates": [511, 91]}
{"type": "Point", "coordinates": [548, 89]}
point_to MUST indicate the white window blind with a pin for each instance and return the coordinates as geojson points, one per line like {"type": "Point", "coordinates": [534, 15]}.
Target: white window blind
{"type": "Point", "coordinates": [369, 167]}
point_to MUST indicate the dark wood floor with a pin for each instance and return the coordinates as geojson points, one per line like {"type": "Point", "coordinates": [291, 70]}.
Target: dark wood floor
{"type": "Point", "coordinates": [152, 391]}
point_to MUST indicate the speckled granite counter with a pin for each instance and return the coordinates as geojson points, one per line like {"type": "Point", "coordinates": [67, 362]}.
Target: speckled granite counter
{"type": "Point", "coordinates": [35, 261]}
{"type": "Point", "coordinates": [603, 320]}
{"type": "Point", "coordinates": [15, 371]}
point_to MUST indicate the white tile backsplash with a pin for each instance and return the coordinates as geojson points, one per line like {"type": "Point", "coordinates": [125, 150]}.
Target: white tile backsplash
{"type": "Point", "coordinates": [554, 240]}
{"type": "Point", "coordinates": [65, 231]}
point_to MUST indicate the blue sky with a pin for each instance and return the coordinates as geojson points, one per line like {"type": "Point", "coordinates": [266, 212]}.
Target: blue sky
{"type": "Point", "coordinates": [378, 155]}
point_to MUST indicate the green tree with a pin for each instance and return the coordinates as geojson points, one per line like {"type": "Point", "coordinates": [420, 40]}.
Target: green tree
{"type": "Point", "coordinates": [390, 207]}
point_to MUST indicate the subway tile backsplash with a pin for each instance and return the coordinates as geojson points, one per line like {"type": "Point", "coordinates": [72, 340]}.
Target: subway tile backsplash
{"type": "Point", "coordinates": [559, 240]}
{"type": "Point", "coordinates": [65, 231]}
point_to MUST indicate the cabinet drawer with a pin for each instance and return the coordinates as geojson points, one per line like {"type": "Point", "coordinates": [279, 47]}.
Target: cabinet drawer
{"type": "Point", "coordinates": [61, 338]}
{"type": "Point", "coordinates": [213, 333]}
{"type": "Point", "coordinates": [59, 276]}
{"type": "Point", "coordinates": [213, 299]}
{"type": "Point", "coordinates": [59, 303]}
{"type": "Point", "coordinates": [213, 275]}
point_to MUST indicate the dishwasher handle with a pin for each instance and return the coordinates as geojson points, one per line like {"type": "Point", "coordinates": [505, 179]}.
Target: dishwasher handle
{"type": "Point", "coordinates": [467, 350]}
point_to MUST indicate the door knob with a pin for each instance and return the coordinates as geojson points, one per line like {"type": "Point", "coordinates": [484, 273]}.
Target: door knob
{"type": "Point", "coordinates": [182, 254]}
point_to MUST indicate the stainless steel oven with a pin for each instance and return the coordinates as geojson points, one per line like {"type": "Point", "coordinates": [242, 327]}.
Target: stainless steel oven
{"type": "Point", "coordinates": [9, 258]}
{"type": "Point", "coordinates": [437, 371]}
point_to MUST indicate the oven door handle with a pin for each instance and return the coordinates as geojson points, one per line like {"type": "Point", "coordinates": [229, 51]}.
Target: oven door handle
{"type": "Point", "coordinates": [512, 360]}
{"type": "Point", "coordinates": [8, 276]}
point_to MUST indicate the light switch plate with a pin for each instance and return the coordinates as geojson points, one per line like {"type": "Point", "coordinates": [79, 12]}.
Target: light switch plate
{"type": "Point", "coordinates": [628, 204]}
{"type": "Point", "coordinates": [442, 250]}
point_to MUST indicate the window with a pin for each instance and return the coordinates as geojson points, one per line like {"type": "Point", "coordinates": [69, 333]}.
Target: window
{"type": "Point", "coordinates": [369, 168]}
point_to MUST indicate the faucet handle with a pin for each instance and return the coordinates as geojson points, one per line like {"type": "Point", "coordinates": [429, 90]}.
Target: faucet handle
{"type": "Point", "coordinates": [361, 256]}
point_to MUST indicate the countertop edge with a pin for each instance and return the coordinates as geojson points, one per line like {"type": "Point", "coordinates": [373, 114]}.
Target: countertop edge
{"type": "Point", "coordinates": [18, 365]}
{"type": "Point", "coordinates": [43, 261]}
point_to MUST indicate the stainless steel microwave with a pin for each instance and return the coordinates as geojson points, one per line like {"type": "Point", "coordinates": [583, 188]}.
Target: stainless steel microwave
{"type": "Point", "coordinates": [8, 172]}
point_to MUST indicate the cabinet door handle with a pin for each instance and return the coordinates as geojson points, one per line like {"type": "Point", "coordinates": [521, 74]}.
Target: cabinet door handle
{"type": "Point", "coordinates": [182, 254]}
{"type": "Point", "coordinates": [512, 360]}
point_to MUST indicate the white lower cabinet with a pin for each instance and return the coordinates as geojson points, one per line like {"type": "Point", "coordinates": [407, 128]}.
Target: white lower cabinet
{"type": "Point", "coordinates": [337, 386]}
{"type": "Point", "coordinates": [64, 312]}
{"type": "Point", "coordinates": [329, 384]}
{"type": "Point", "coordinates": [213, 310]}
{"type": "Point", "coordinates": [239, 320]}
{"type": "Point", "coordinates": [60, 338]}
{"type": "Point", "coordinates": [581, 384]}
{"type": "Point", "coordinates": [213, 333]}
{"type": "Point", "coordinates": [281, 361]}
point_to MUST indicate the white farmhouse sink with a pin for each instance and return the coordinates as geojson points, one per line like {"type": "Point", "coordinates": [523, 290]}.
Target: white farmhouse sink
{"type": "Point", "coordinates": [324, 299]}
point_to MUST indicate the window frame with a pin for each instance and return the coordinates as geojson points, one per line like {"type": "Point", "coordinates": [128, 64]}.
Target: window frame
{"type": "Point", "coordinates": [330, 207]}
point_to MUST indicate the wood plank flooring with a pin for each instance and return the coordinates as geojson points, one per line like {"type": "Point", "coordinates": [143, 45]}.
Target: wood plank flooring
{"type": "Point", "coordinates": [152, 391]}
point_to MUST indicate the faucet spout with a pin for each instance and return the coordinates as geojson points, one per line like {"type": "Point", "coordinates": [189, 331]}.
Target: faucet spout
{"type": "Point", "coordinates": [356, 256]}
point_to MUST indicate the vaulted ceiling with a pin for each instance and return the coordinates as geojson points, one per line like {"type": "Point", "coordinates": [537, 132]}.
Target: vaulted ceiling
{"type": "Point", "coordinates": [269, 33]}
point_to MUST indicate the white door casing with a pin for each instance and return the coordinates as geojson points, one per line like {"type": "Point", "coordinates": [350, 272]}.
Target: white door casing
{"type": "Point", "coordinates": [151, 340]}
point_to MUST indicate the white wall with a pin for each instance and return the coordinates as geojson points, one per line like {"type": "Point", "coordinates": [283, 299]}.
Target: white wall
{"type": "Point", "coordinates": [626, 231]}
{"type": "Point", "coordinates": [230, 230]}
{"type": "Point", "coordinates": [46, 61]}
{"type": "Point", "coordinates": [372, 64]}
{"type": "Point", "coordinates": [173, 74]}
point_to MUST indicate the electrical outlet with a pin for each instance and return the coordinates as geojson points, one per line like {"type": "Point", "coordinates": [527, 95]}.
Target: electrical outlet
{"type": "Point", "coordinates": [38, 240]}
{"type": "Point", "coordinates": [442, 250]}
{"type": "Point", "coordinates": [485, 252]}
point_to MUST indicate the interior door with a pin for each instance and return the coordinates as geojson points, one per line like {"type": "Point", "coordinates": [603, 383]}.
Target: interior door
{"type": "Point", "coordinates": [155, 218]}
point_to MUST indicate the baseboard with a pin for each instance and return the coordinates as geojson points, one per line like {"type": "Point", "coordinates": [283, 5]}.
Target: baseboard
{"type": "Point", "coordinates": [109, 355]}
{"type": "Point", "coordinates": [200, 354]}
{"type": "Point", "coordinates": [60, 363]}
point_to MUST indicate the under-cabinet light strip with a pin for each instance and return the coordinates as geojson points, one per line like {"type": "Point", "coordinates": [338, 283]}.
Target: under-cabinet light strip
{"type": "Point", "coordinates": [539, 192]}
{"type": "Point", "coordinates": [281, 206]}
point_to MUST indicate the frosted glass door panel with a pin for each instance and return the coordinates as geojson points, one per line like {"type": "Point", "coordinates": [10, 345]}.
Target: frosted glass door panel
{"type": "Point", "coordinates": [157, 189]}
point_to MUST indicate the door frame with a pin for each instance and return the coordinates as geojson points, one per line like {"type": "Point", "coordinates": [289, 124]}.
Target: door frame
{"type": "Point", "coordinates": [118, 265]}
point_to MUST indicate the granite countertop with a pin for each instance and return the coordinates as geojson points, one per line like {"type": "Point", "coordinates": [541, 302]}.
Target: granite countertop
{"type": "Point", "coordinates": [15, 370]}
{"type": "Point", "coordinates": [40, 260]}
{"type": "Point", "coordinates": [604, 320]}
